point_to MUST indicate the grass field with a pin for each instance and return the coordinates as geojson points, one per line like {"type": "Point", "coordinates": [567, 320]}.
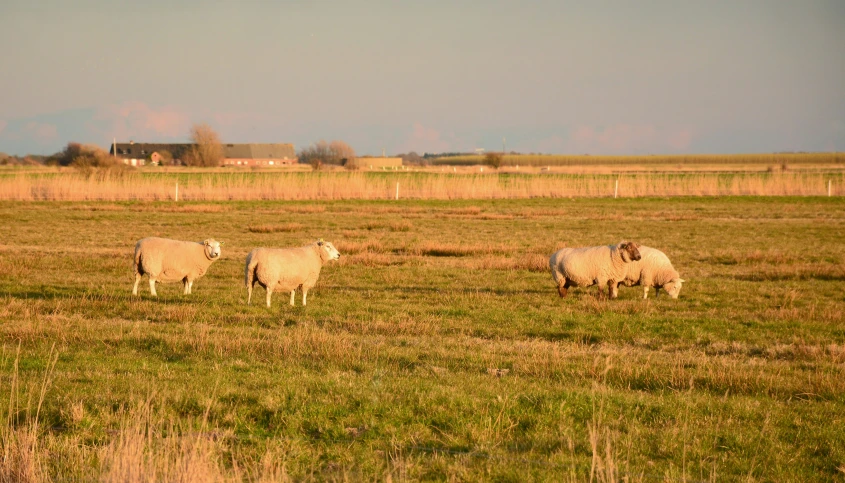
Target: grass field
{"type": "Point", "coordinates": [435, 349]}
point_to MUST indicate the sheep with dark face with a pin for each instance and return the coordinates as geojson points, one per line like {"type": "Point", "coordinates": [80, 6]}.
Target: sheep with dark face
{"type": "Point", "coordinates": [653, 270]}
{"type": "Point", "coordinates": [583, 267]}
{"type": "Point", "coordinates": [286, 269]}
{"type": "Point", "coordinates": [166, 260]}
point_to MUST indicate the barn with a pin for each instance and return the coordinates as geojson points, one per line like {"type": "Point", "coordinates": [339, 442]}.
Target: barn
{"type": "Point", "coordinates": [243, 155]}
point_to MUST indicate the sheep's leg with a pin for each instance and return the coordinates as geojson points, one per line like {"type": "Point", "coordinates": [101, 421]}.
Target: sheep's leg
{"type": "Point", "coordinates": [187, 287]}
{"type": "Point", "coordinates": [269, 293]}
{"type": "Point", "coordinates": [656, 292]}
{"type": "Point", "coordinates": [645, 292]}
{"type": "Point", "coordinates": [292, 294]}
{"type": "Point", "coordinates": [612, 288]}
{"type": "Point", "coordinates": [153, 287]}
{"type": "Point", "coordinates": [190, 287]}
{"type": "Point", "coordinates": [600, 287]}
{"type": "Point", "coordinates": [304, 295]}
{"type": "Point", "coordinates": [248, 293]}
{"type": "Point", "coordinates": [137, 280]}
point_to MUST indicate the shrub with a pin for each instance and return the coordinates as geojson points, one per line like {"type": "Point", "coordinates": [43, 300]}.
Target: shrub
{"type": "Point", "coordinates": [494, 160]}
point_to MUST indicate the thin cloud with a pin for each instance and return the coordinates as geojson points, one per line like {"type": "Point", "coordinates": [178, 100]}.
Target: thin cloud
{"type": "Point", "coordinates": [425, 139]}
{"type": "Point", "coordinates": [40, 132]}
{"type": "Point", "coordinates": [138, 120]}
{"type": "Point", "coordinates": [627, 139]}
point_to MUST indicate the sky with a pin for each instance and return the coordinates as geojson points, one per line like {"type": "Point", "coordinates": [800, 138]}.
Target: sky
{"type": "Point", "coordinates": [597, 77]}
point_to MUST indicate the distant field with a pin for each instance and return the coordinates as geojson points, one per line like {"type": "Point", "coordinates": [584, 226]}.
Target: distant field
{"type": "Point", "coordinates": [436, 349]}
{"type": "Point", "coordinates": [772, 159]}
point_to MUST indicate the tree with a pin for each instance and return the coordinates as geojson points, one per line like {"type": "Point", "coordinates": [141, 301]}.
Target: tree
{"type": "Point", "coordinates": [494, 160]}
{"type": "Point", "coordinates": [413, 158]}
{"type": "Point", "coordinates": [207, 149]}
{"type": "Point", "coordinates": [342, 152]}
{"type": "Point", "coordinates": [165, 157]}
{"type": "Point", "coordinates": [83, 156]}
{"type": "Point", "coordinates": [322, 152]}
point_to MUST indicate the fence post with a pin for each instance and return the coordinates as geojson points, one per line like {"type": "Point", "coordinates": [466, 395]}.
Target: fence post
{"type": "Point", "coordinates": [177, 191]}
{"type": "Point", "coordinates": [616, 189]}
{"type": "Point", "coordinates": [397, 190]}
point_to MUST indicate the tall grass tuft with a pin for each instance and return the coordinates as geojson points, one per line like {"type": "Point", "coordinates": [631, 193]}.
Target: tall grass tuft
{"type": "Point", "coordinates": [21, 457]}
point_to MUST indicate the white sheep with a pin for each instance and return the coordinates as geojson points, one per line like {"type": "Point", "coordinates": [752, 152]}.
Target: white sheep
{"type": "Point", "coordinates": [583, 267]}
{"type": "Point", "coordinates": [166, 260]}
{"type": "Point", "coordinates": [653, 270]}
{"type": "Point", "coordinates": [286, 269]}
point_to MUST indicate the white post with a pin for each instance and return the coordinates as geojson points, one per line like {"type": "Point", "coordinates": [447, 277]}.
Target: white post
{"type": "Point", "coordinates": [397, 190]}
{"type": "Point", "coordinates": [177, 191]}
{"type": "Point", "coordinates": [828, 188]}
{"type": "Point", "coordinates": [616, 189]}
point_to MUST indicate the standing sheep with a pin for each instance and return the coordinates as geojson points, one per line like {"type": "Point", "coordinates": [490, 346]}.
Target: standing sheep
{"type": "Point", "coordinates": [653, 270]}
{"type": "Point", "coordinates": [583, 267]}
{"type": "Point", "coordinates": [166, 260]}
{"type": "Point", "coordinates": [286, 269]}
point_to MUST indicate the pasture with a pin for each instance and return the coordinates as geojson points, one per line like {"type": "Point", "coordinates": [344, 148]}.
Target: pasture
{"type": "Point", "coordinates": [437, 347]}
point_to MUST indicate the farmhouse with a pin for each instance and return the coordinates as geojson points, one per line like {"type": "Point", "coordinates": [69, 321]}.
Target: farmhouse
{"type": "Point", "coordinates": [259, 155]}
{"type": "Point", "coordinates": [245, 155]}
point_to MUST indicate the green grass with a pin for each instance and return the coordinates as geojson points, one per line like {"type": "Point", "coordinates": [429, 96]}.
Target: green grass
{"type": "Point", "coordinates": [437, 348]}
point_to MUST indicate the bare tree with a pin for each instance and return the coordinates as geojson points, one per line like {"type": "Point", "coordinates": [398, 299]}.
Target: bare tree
{"type": "Point", "coordinates": [322, 152]}
{"type": "Point", "coordinates": [494, 160]}
{"type": "Point", "coordinates": [207, 149]}
{"type": "Point", "coordinates": [342, 152]}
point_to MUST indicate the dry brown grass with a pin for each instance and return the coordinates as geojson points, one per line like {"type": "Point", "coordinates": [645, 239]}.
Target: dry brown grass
{"type": "Point", "coordinates": [398, 225]}
{"type": "Point", "coordinates": [343, 185]}
{"type": "Point", "coordinates": [280, 228]}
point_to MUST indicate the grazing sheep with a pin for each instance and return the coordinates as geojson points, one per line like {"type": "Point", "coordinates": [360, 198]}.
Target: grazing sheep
{"type": "Point", "coordinates": [583, 267]}
{"type": "Point", "coordinates": [166, 260]}
{"type": "Point", "coordinates": [286, 269]}
{"type": "Point", "coordinates": [653, 270]}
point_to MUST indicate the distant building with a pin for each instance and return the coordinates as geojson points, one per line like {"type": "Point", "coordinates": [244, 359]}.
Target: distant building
{"type": "Point", "coordinates": [246, 155]}
{"type": "Point", "coordinates": [259, 155]}
{"type": "Point", "coordinates": [368, 162]}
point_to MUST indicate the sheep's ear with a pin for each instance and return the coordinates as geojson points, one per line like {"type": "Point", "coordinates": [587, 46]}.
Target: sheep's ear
{"type": "Point", "coordinates": [680, 280]}
{"type": "Point", "coordinates": [205, 242]}
{"type": "Point", "coordinates": [222, 243]}
{"type": "Point", "coordinates": [320, 242]}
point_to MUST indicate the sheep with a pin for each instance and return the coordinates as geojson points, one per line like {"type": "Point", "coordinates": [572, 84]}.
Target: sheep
{"type": "Point", "coordinates": [583, 267]}
{"type": "Point", "coordinates": [653, 270]}
{"type": "Point", "coordinates": [166, 260]}
{"type": "Point", "coordinates": [286, 269]}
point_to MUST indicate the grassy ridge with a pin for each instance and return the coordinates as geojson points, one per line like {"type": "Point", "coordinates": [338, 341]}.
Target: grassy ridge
{"type": "Point", "coordinates": [437, 348]}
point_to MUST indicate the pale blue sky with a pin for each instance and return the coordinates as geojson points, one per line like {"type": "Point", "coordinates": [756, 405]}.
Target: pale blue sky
{"type": "Point", "coordinates": [604, 77]}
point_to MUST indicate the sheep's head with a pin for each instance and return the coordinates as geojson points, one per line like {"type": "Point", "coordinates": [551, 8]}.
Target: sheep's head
{"type": "Point", "coordinates": [212, 248]}
{"type": "Point", "coordinates": [673, 288]}
{"type": "Point", "coordinates": [630, 251]}
{"type": "Point", "coordinates": [327, 250]}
